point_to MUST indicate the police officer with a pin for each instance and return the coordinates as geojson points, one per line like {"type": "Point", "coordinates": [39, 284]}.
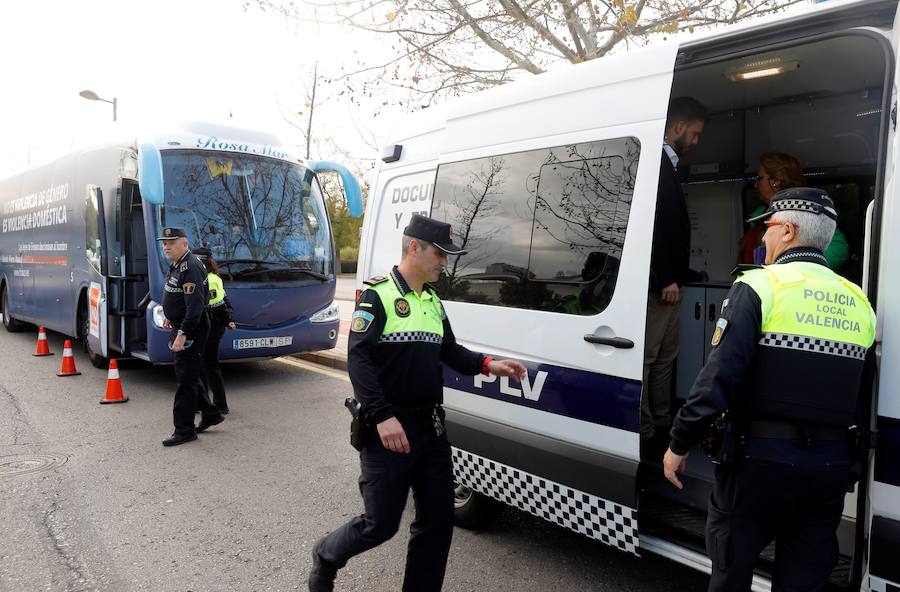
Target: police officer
{"type": "Point", "coordinates": [221, 316]}
{"type": "Point", "coordinates": [184, 302]}
{"type": "Point", "coordinates": [399, 338]}
{"type": "Point", "coordinates": [787, 364]}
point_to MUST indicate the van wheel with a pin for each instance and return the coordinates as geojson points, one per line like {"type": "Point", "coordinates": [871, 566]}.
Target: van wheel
{"type": "Point", "coordinates": [97, 360]}
{"type": "Point", "coordinates": [473, 510]}
{"type": "Point", "coordinates": [9, 323]}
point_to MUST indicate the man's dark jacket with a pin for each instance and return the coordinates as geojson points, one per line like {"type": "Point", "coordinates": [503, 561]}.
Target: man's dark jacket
{"type": "Point", "coordinates": [670, 259]}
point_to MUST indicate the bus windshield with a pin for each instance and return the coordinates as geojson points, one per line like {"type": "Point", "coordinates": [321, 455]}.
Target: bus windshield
{"type": "Point", "coordinates": [263, 219]}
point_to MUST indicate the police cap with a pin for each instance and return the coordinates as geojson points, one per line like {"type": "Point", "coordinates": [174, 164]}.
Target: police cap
{"type": "Point", "coordinates": [803, 199]}
{"type": "Point", "coordinates": [171, 233]}
{"type": "Point", "coordinates": [433, 231]}
{"type": "Point", "coordinates": [202, 253]}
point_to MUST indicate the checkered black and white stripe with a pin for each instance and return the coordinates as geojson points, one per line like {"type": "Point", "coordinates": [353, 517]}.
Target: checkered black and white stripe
{"type": "Point", "coordinates": [814, 344]}
{"type": "Point", "coordinates": [409, 336]}
{"type": "Point", "coordinates": [803, 205]}
{"type": "Point", "coordinates": [595, 517]}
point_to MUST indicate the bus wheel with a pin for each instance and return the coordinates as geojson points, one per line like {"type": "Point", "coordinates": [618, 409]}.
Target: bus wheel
{"type": "Point", "coordinates": [97, 360]}
{"type": "Point", "coordinates": [9, 323]}
{"type": "Point", "coordinates": [473, 510]}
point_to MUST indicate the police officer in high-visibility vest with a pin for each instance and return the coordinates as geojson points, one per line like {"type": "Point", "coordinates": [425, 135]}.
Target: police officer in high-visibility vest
{"type": "Point", "coordinates": [399, 338]}
{"type": "Point", "coordinates": [184, 304]}
{"type": "Point", "coordinates": [787, 363]}
{"type": "Point", "coordinates": [221, 316]}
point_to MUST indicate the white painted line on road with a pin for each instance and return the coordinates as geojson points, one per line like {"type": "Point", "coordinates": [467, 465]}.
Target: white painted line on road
{"type": "Point", "coordinates": [315, 368]}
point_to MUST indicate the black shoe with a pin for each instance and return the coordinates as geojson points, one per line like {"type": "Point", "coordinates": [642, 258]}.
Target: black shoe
{"type": "Point", "coordinates": [208, 421]}
{"type": "Point", "coordinates": [322, 574]}
{"type": "Point", "coordinates": [223, 410]}
{"type": "Point", "coordinates": [176, 439]}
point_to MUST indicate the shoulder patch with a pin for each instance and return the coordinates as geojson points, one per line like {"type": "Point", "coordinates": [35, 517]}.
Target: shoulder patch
{"type": "Point", "coordinates": [189, 287]}
{"type": "Point", "coordinates": [360, 321]}
{"type": "Point", "coordinates": [212, 294]}
{"type": "Point", "coordinates": [721, 325]}
{"type": "Point", "coordinates": [374, 281]}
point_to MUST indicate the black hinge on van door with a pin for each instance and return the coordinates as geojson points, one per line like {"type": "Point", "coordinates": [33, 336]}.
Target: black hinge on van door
{"type": "Point", "coordinates": [894, 116]}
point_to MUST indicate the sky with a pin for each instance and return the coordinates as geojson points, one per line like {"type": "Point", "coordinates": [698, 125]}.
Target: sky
{"type": "Point", "coordinates": [166, 60]}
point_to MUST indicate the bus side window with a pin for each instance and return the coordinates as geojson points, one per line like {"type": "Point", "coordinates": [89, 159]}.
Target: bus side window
{"type": "Point", "coordinates": [92, 227]}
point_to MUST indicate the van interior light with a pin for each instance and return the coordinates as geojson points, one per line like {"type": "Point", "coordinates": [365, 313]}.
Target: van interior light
{"type": "Point", "coordinates": [761, 69]}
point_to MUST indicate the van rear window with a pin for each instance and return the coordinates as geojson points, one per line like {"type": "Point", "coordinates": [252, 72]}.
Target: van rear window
{"type": "Point", "coordinates": [544, 228]}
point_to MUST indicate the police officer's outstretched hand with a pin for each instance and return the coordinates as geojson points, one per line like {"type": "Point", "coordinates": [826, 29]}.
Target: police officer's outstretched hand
{"type": "Point", "coordinates": [392, 436]}
{"type": "Point", "coordinates": [673, 464]}
{"type": "Point", "coordinates": [512, 368]}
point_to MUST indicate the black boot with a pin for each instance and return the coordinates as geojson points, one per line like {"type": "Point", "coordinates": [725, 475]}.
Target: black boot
{"type": "Point", "coordinates": [322, 574]}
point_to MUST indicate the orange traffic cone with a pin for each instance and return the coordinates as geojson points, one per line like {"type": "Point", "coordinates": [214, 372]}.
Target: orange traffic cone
{"type": "Point", "coordinates": [113, 386]}
{"type": "Point", "coordinates": [68, 361]}
{"type": "Point", "coordinates": [43, 346]}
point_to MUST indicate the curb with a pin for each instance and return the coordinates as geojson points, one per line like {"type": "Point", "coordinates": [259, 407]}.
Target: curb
{"type": "Point", "coordinates": [324, 359]}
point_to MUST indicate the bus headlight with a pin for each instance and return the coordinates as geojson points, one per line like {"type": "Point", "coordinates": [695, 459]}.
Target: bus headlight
{"type": "Point", "coordinates": [159, 318]}
{"type": "Point", "coordinates": [330, 313]}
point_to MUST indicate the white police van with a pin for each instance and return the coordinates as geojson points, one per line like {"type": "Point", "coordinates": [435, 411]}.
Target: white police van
{"type": "Point", "coordinates": [550, 183]}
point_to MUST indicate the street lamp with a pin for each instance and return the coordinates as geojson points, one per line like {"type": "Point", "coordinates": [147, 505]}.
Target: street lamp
{"type": "Point", "coordinates": [92, 96]}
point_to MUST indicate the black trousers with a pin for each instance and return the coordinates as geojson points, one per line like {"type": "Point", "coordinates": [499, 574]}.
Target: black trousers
{"type": "Point", "coordinates": [755, 502]}
{"type": "Point", "coordinates": [213, 383]}
{"type": "Point", "coordinates": [384, 484]}
{"type": "Point", "coordinates": [189, 394]}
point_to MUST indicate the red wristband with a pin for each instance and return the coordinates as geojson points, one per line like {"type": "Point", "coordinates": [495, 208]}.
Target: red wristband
{"type": "Point", "coordinates": [484, 364]}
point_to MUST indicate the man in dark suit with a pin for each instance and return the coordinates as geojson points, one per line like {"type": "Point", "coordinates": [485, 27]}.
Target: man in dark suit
{"type": "Point", "coordinates": [669, 268]}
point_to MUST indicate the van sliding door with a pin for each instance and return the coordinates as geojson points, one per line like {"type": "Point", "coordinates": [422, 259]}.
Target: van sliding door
{"type": "Point", "coordinates": [551, 187]}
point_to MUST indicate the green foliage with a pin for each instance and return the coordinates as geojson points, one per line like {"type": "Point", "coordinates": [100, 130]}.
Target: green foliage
{"type": "Point", "coordinates": [345, 227]}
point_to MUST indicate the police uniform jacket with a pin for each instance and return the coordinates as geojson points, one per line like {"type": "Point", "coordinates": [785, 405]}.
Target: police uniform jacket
{"type": "Point", "coordinates": [186, 295]}
{"type": "Point", "coordinates": [398, 340]}
{"type": "Point", "coordinates": [790, 346]}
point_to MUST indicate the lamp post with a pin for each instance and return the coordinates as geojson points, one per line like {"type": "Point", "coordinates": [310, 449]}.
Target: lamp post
{"type": "Point", "coordinates": [92, 96]}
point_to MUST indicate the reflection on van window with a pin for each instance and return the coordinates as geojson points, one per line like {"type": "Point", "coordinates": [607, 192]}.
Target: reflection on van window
{"type": "Point", "coordinates": [544, 228]}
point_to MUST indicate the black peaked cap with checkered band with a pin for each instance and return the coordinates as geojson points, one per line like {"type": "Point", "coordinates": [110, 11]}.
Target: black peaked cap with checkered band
{"type": "Point", "coordinates": [802, 199]}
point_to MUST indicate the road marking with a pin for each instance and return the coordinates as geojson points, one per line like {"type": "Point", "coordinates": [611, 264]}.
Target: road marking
{"type": "Point", "coordinates": [315, 368]}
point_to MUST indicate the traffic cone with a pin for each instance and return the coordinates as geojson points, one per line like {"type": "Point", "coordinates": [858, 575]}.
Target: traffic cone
{"type": "Point", "coordinates": [113, 386]}
{"type": "Point", "coordinates": [68, 361]}
{"type": "Point", "coordinates": [43, 346]}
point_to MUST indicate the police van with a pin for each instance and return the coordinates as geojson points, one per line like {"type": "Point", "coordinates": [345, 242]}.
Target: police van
{"type": "Point", "coordinates": [550, 183]}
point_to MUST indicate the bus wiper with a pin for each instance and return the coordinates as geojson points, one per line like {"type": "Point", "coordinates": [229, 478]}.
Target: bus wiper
{"type": "Point", "coordinates": [281, 266]}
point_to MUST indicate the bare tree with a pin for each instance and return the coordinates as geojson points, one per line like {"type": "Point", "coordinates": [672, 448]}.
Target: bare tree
{"type": "Point", "coordinates": [451, 47]}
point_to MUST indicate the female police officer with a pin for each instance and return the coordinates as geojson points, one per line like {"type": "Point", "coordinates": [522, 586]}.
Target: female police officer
{"type": "Point", "coordinates": [221, 316]}
{"type": "Point", "coordinates": [787, 364]}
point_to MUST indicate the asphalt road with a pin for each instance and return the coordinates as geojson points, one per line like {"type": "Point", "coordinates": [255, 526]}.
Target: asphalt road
{"type": "Point", "coordinates": [90, 500]}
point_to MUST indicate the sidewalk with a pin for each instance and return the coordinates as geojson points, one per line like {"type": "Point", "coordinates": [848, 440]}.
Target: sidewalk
{"type": "Point", "coordinates": [336, 357]}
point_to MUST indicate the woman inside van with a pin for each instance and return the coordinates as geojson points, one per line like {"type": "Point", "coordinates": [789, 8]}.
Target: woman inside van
{"type": "Point", "coordinates": [778, 171]}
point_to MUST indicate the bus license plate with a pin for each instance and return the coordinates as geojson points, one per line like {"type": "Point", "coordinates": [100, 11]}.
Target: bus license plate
{"type": "Point", "coordinates": [257, 342]}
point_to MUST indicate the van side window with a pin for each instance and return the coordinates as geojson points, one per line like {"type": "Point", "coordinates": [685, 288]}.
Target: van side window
{"type": "Point", "coordinates": [544, 228]}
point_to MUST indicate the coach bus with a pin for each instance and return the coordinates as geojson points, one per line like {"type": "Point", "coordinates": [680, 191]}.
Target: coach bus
{"type": "Point", "coordinates": [79, 255]}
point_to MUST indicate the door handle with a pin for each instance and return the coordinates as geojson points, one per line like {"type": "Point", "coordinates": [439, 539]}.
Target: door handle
{"type": "Point", "coordinates": [619, 342]}
{"type": "Point", "coordinates": [712, 312]}
{"type": "Point", "coordinates": [698, 311]}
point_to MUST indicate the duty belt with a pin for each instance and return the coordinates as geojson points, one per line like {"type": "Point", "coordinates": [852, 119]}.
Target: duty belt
{"type": "Point", "coordinates": [415, 411]}
{"type": "Point", "coordinates": [788, 430]}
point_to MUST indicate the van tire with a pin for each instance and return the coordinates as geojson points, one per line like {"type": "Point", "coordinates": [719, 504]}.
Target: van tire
{"type": "Point", "coordinates": [473, 510]}
{"type": "Point", "coordinates": [9, 323]}
{"type": "Point", "coordinates": [84, 328]}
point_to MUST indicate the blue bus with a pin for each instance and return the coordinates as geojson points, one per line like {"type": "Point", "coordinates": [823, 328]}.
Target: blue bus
{"type": "Point", "coordinates": [78, 253]}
